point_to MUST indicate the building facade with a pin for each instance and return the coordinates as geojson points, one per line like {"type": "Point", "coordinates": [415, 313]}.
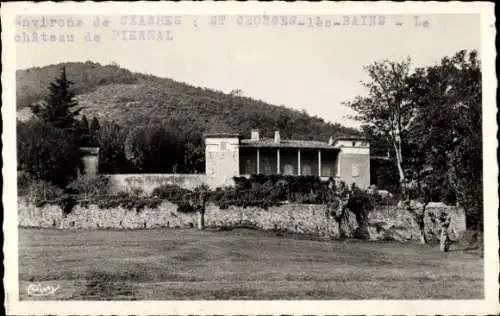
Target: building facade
{"type": "Point", "coordinates": [345, 158]}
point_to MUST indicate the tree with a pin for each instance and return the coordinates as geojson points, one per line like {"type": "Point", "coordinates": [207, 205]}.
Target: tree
{"type": "Point", "coordinates": [61, 108]}
{"type": "Point", "coordinates": [47, 153]}
{"type": "Point", "coordinates": [194, 158]}
{"type": "Point", "coordinates": [82, 132]}
{"type": "Point", "coordinates": [385, 110]}
{"type": "Point", "coordinates": [94, 132]}
{"type": "Point", "coordinates": [448, 127]}
{"type": "Point", "coordinates": [111, 150]}
{"type": "Point", "coordinates": [155, 148]}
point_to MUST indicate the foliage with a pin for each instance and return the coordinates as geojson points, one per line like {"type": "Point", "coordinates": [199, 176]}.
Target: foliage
{"type": "Point", "coordinates": [270, 190]}
{"type": "Point", "coordinates": [448, 96]}
{"type": "Point", "coordinates": [384, 175]}
{"type": "Point", "coordinates": [37, 191]}
{"type": "Point", "coordinates": [94, 128]}
{"type": "Point", "coordinates": [127, 201]}
{"type": "Point", "coordinates": [111, 149]}
{"type": "Point", "coordinates": [466, 176]}
{"type": "Point", "coordinates": [60, 108]}
{"type": "Point", "coordinates": [90, 187]}
{"type": "Point", "coordinates": [385, 111]}
{"type": "Point", "coordinates": [172, 193]}
{"type": "Point", "coordinates": [177, 195]}
{"type": "Point", "coordinates": [31, 83]}
{"type": "Point", "coordinates": [429, 123]}
{"type": "Point", "coordinates": [154, 148]}
{"type": "Point", "coordinates": [194, 158]}
{"type": "Point", "coordinates": [47, 153]}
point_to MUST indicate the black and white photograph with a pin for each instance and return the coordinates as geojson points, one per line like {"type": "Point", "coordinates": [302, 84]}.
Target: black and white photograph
{"type": "Point", "coordinates": [299, 153]}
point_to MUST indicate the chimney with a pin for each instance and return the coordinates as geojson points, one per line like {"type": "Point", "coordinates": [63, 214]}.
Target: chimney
{"type": "Point", "coordinates": [330, 141]}
{"type": "Point", "coordinates": [254, 134]}
{"type": "Point", "coordinates": [277, 137]}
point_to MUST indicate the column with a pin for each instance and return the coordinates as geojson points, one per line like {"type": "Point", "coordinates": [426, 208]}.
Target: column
{"type": "Point", "coordinates": [278, 167]}
{"type": "Point", "coordinates": [258, 161]}
{"type": "Point", "coordinates": [319, 162]}
{"type": "Point", "coordinates": [299, 171]}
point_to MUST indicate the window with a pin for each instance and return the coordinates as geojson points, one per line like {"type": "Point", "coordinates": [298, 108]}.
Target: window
{"type": "Point", "coordinates": [223, 146]}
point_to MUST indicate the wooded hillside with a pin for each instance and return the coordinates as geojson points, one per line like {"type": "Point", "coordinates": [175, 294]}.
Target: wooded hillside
{"type": "Point", "coordinates": [113, 93]}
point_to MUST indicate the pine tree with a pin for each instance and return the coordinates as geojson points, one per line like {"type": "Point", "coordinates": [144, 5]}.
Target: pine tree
{"type": "Point", "coordinates": [61, 108]}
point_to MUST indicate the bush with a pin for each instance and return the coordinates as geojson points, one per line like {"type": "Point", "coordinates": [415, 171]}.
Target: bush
{"type": "Point", "coordinates": [360, 203]}
{"type": "Point", "coordinates": [184, 198]}
{"type": "Point", "coordinates": [40, 191]}
{"type": "Point", "coordinates": [90, 187]}
{"type": "Point", "coordinates": [268, 190]}
{"type": "Point", "coordinates": [127, 201]}
{"type": "Point", "coordinates": [172, 193]}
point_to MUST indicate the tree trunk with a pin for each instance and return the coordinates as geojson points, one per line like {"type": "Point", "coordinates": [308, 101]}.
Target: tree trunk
{"type": "Point", "coordinates": [201, 219]}
{"type": "Point", "coordinates": [444, 242]}
{"type": "Point", "coordinates": [399, 162]}
{"type": "Point", "coordinates": [420, 219]}
{"type": "Point", "coordinates": [201, 211]}
{"type": "Point", "coordinates": [421, 226]}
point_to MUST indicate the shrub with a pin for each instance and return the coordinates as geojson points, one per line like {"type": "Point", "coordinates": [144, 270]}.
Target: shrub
{"type": "Point", "coordinates": [360, 203]}
{"type": "Point", "coordinates": [90, 187]}
{"type": "Point", "coordinates": [40, 191]}
{"type": "Point", "coordinates": [184, 198]}
{"type": "Point", "coordinates": [172, 193]}
{"type": "Point", "coordinates": [127, 201]}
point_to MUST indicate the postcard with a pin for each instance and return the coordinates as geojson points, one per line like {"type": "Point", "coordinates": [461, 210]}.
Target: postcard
{"type": "Point", "coordinates": [212, 158]}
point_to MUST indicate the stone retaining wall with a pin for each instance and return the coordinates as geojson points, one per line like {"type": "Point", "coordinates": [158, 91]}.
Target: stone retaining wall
{"type": "Point", "coordinates": [385, 223]}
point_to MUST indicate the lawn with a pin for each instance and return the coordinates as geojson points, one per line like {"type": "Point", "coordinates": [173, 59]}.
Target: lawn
{"type": "Point", "coordinates": [173, 264]}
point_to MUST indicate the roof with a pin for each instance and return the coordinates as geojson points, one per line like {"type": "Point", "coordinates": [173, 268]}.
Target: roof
{"type": "Point", "coordinates": [90, 150]}
{"type": "Point", "coordinates": [349, 138]}
{"type": "Point", "coordinates": [286, 143]}
{"type": "Point", "coordinates": [221, 135]}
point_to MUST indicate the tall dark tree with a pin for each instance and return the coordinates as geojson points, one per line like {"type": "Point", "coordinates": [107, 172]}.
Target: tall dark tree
{"type": "Point", "coordinates": [111, 149]}
{"type": "Point", "coordinates": [194, 158]}
{"type": "Point", "coordinates": [82, 132]}
{"type": "Point", "coordinates": [94, 132]}
{"type": "Point", "coordinates": [448, 130]}
{"type": "Point", "coordinates": [61, 109]}
{"type": "Point", "coordinates": [155, 148]}
{"type": "Point", "coordinates": [46, 153]}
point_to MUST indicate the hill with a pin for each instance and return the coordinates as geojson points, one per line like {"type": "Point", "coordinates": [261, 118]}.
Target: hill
{"type": "Point", "coordinates": [110, 92]}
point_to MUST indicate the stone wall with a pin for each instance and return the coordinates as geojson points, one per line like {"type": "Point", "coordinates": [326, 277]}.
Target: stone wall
{"type": "Point", "coordinates": [386, 223]}
{"type": "Point", "coordinates": [396, 223]}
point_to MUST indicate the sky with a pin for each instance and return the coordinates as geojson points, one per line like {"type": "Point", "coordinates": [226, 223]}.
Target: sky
{"type": "Point", "coordinates": [314, 69]}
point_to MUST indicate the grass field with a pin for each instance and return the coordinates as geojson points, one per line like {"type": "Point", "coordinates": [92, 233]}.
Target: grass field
{"type": "Point", "coordinates": [173, 264]}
